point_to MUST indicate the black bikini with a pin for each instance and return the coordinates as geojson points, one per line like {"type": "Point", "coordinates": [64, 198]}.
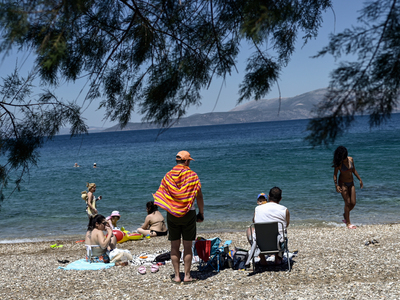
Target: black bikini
{"type": "Point", "coordinates": [159, 233]}
{"type": "Point", "coordinates": [344, 168]}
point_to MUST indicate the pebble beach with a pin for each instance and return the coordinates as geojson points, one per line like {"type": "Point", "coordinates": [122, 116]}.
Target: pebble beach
{"type": "Point", "coordinates": [332, 263]}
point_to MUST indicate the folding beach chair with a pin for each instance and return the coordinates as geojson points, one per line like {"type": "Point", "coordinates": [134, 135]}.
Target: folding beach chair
{"type": "Point", "coordinates": [269, 240]}
{"type": "Point", "coordinates": [210, 253]}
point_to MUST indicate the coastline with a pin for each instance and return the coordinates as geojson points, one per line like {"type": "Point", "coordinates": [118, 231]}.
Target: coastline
{"type": "Point", "coordinates": [206, 231]}
{"type": "Point", "coordinates": [332, 263]}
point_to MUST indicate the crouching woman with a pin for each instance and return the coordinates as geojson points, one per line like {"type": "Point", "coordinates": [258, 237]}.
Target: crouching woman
{"type": "Point", "coordinates": [97, 244]}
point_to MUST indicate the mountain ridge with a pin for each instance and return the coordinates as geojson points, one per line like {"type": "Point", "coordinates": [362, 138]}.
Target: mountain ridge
{"type": "Point", "coordinates": [264, 110]}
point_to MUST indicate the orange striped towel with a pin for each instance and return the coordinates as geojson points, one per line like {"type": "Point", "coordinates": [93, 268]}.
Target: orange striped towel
{"type": "Point", "coordinates": [178, 190]}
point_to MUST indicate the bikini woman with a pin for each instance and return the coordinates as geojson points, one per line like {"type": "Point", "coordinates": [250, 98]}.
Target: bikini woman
{"type": "Point", "coordinates": [345, 165]}
{"type": "Point", "coordinates": [154, 224]}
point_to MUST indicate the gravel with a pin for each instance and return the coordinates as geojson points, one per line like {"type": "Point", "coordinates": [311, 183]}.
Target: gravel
{"type": "Point", "coordinates": [332, 263]}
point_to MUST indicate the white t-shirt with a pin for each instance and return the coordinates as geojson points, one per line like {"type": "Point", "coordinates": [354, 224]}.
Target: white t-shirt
{"type": "Point", "coordinates": [271, 212]}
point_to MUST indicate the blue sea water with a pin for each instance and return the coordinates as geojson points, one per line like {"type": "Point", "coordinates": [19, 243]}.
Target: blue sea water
{"type": "Point", "coordinates": [234, 162]}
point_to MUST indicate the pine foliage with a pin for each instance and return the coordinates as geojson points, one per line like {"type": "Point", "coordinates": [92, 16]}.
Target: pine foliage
{"type": "Point", "coordinates": [371, 84]}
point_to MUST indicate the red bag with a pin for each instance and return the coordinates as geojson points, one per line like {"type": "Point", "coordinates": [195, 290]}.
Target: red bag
{"type": "Point", "coordinates": [203, 248]}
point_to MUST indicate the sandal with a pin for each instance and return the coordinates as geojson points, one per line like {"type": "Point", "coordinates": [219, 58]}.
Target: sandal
{"type": "Point", "coordinates": [351, 226]}
{"type": "Point", "coordinates": [154, 268]}
{"type": "Point", "coordinates": [142, 270]}
{"type": "Point", "coordinates": [64, 261]}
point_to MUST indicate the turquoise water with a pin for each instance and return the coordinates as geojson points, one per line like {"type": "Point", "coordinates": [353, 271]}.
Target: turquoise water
{"type": "Point", "coordinates": [234, 162]}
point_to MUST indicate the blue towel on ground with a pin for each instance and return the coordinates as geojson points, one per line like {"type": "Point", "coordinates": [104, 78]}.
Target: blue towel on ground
{"type": "Point", "coordinates": [82, 264]}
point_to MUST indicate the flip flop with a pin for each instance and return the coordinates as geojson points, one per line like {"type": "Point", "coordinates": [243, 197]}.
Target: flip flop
{"type": "Point", "coordinates": [191, 281]}
{"type": "Point", "coordinates": [142, 270]}
{"type": "Point", "coordinates": [351, 226]}
{"type": "Point", "coordinates": [63, 261]}
{"type": "Point", "coordinates": [154, 268]}
{"type": "Point", "coordinates": [175, 282]}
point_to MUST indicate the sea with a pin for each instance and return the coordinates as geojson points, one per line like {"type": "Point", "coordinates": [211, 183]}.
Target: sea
{"type": "Point", "coordinates": [234, 162]}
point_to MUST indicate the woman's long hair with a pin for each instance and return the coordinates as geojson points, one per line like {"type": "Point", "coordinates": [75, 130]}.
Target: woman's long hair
{"type": "Point", "coordinates": [93, 220]}
{"type": "Point", "coordinates": [151, 207]}
{"type": "Point", "coordinates": [339, 155]}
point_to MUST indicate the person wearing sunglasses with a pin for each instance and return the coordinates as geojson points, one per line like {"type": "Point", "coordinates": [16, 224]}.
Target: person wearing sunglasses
{"type": "Point", "coordinates": [97, 244]}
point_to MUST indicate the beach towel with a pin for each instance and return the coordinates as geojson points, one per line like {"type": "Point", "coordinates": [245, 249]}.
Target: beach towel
{"type": "Point", "coordinates": [82, 265]}
{"type": "Point", "coordinates": [178, 190]}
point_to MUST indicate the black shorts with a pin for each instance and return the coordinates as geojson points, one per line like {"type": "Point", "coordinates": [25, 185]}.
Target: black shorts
{"type": "Point", "coordinates": [184, 227]}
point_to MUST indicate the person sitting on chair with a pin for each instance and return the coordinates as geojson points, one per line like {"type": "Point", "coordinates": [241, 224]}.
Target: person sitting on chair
{"type": "Point", "coordinates": [271, 211]}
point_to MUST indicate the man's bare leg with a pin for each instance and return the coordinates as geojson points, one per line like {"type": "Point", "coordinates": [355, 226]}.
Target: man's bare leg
{"type": "Point", "coordinates": [263, 261]}
{"type": "Point", "coordinates": [187, 258]}
{"type": "Point", "coordinates": [175, 258]}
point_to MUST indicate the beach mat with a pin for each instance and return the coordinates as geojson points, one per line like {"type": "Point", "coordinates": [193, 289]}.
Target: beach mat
{"type": "Point", "coordinates": [82, 265]}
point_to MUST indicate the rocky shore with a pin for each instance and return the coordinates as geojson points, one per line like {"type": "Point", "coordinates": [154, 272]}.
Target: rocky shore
{"type": "Point", "coordinates": [332, 263]}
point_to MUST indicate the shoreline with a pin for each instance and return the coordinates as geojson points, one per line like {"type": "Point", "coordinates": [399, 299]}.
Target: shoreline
{"type": "Point", "coordinates": [75, 237]}
{"type": "Point", "coordinates": [332, 263]}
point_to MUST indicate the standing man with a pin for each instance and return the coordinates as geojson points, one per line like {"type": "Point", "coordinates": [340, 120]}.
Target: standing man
{"type": "Point", "coordinates": [177, 193]}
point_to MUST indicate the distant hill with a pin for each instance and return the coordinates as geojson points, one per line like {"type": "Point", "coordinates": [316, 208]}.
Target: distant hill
{"type": "Point", "coordinates": [92, 129]}
{"type": "Point", "coordinates": [292, 108]}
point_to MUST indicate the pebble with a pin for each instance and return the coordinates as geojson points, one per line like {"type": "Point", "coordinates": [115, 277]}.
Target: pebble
{"type": "Point", "coordinates": [332, 263]}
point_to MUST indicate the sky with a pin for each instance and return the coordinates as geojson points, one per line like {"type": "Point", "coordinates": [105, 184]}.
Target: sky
{"type": "Point", "coordinates": [303, 73]}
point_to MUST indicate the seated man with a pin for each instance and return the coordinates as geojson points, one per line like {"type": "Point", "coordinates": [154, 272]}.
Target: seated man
{"type": "Point", "coordinates": [271, 211]}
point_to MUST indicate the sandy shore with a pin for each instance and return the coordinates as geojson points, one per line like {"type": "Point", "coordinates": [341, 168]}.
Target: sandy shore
{"type": "Point", "coordinates": [332, 263]}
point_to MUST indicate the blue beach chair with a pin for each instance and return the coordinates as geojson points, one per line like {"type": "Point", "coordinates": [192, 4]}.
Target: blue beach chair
{"type": "Point", "coordinates": [210, 253]}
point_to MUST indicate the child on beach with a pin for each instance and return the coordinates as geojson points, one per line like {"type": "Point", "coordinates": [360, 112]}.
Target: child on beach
{"type": "Point", "coordinates": [113, 218]}
{"type": "Point", "coordinates": [261, 199]}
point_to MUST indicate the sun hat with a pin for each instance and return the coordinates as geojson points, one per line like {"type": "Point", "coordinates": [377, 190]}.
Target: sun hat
{"type": "Point", "coordinates": [115, 213]}
{"type": "Point", "coordinates": [184, 155]}
{"type": "Point", "coordinates": [261, 195]}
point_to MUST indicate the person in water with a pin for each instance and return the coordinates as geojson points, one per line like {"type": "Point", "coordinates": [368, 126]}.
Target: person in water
{"type": "Point", "coordinates": [345, 165]}
{"type": "Point", "coordinates": [97, 244]}
{"type": "Point", "coordinates": [91, 200]}
{"type": "Point", "coordinates": [154, 224]}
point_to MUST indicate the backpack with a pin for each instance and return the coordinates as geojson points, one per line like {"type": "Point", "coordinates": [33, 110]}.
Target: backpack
{"type": "Point", "coordinates": [163, 257]}
{"type": "Point", "coordinates": [84, 195]}
{"type": "Point", "coordinates": [239, 259]}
